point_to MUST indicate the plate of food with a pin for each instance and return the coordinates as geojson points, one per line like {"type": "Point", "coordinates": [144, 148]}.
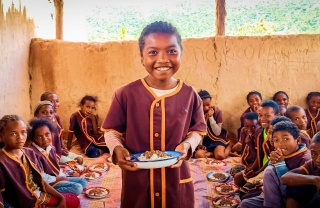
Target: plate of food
{"type": "Point", "coordinates": [227, 188]}
{"type": "Point", "coordinates": [101, 167]}
{"type": "Point", "coordinates": [215, 162]}
{"type": "Point", "coordinates": [155, 159]}
{"type": "Point", "coordinates": [225, 202]}
{"type": "Point", "coordinates": [72, 169]}
{"type": "Point", "coordinates": [92, 175]}
{"type": "Point", "coordinates": [218, 176]}
{"type": "Point", "coordinates": [96, 192]}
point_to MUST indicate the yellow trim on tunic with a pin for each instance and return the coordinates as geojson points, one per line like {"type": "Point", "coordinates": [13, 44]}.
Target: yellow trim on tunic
{"type": "Point", "coordinates": [187, 180]}
{"type": "Point", "coordinates": [305, 169]}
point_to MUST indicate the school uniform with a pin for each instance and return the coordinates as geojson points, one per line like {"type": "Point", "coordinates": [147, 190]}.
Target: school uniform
{"type": "Point", "coordinates": [263, 147]}
{"type": "Point", "coordinates": [83, 130]}
{"type": "Point", "coordinates": [272, 189]}
{"type": "Point", "coordinates": [21, 184]}
{"type": "Point", "coordinates": [211, 140]}
{"type": "Point", "coordinates": [248, 110]}
{"type": "Point", "coordinates": [305, 138]}
{"type": "Point", "coordinates": [312, 122]}
{"type": "Point", "coordinates": [248, 153]}
{"type": "Point", "coordinates": [148, 122]}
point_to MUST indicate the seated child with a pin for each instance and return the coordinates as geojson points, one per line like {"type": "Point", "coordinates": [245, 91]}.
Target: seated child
{"type": "Point", "coordinates": [298, 116]}
{"type": "Point", "coordinates": [84, 125]}
{"type": "Point", "coordinates": [248, 152]}
{"type": "Point", "coordinates": [53, 98]}
{"type": "Point", "coordinates": [289, 153]}
{"type": "Point", "coordinates": [21, 184]}
{"type": "Point", "coordinates": [215, 143]}
{"type": "Point", "coordinates": [303, 182]}
{"type": "Point", "coordinates": [313, 112]}
{"type": "Point", "coordinates": [254, 99]}
{"type": "Point", "coordinates": [253, 174]}
{"type": "Point", "coordinates": [44, 109]}
{"type": "Point", "coordinates": [40, 135]}
{"type": "Point", "coordinates": [281, 98]}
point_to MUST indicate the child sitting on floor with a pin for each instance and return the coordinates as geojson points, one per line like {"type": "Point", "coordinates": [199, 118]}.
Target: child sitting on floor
{"type": "Point", "coordinates": [313, 112]}
{"type": "Point", "coordinates": [254, 99]}
{"type": "Point", "coordinates": [272, 123]}
{"type": "Point", "coordinates": [281, 98]}
{"type": "Point", "coordinates": [21, 184]}
{"type": "Point", "coordinates": [289, 153]}
{"type": "Point", "coordinates": [298, 116]}
{"type": "Point", "coordinates": [44, 109]}
{"type": "Point", "coordinates": [253, 175]}
{"type": "Point", "coordinates": [215, 144]}
{"type": "Point", "coordinates": [248, 152]}
{"type": "Point", "coordinates": [84, 125]}
{"type": "Point", "coordinates": [40, 135]}
{"type": "Point", "coordinates": [303, 183]}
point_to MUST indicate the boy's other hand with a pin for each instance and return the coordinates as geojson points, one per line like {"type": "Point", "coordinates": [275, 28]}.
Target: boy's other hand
{"type": "Point", "coordinates": [122, 156]}
{"type": "Point", "coordinates": [65, 151]}
{"type": "Point", "coordinates": [276, 156]}
{"type": "Point", "coordinates": [184, 149]}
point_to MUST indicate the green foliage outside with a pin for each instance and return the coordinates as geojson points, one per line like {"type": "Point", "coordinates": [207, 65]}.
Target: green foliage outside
{"type": "Point", "coordinates": [196, 18]}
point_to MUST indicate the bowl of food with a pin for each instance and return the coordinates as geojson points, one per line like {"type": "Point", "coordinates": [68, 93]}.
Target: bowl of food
{"type": "Point", "coordinates": [225, 202]}
{"type": "Point", "coordinates": [218, 176]}
{"type": "Point", "coordinates": [215, 162]}
{"type": "Point", "coordinates": [97, 192]}
{"type": "Point", "coordinates": [155, 159]}
{"type": "Point", "coordinates": [227, 188]}
{"type": "Point", "coordinates": [92, 175]}
{"type": "Point", "coordinates": [72, 169]}
{"type": "Point", "coordinates": [101, 167]}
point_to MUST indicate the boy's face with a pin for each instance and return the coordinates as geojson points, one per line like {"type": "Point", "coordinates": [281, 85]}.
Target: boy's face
{"type": "Point", "coordinates": [315, 153]}
{"type": "Point", "coordinates": [285, 141]}
{"type": "Point", "coordinates": [14, 135]}
{"type": "Point", "coordinates": [53, 98]}
{"type": "Point", "coordinates": [250, 126]}
{"type": "Point", "coordinates": [88, 107]}
{"type": "Point", "coordinates": [265, 116]}
{"type": "Point", "coordinates": [314, 103]}
{"type": "Point", "coordinates": [282, 99]}
{"type": "Point", "coordinates": [45, 111]}
{"type": "Point", "coordinates": [299, 118]}
{"type": "Point", "coordinates": [161, 56]}
{"type": "Point", "coordinates": [254, 102]}
{"type": "Point", "coordinates": [206, 103]}
{"type": "Point", "coordinates": [269, 134]}
{"type": "Point", "coordinates": [42, 137]}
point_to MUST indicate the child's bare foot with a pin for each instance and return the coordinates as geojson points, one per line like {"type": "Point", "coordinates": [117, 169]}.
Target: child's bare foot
{"type": "Point", "coordinates": [79, 160]}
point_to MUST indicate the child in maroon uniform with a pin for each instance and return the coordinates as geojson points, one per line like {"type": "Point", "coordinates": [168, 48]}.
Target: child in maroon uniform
{"type": "Point", "coordinates": [303, 183]}
{"type": "Point", "coordinates": [254, 100]}
{"type": "Point", "coordinates": [281, 98]}
{"type": "Point", "coordinates": [215, 144]}
{"type": "Point", "coordinates": [157, 112]}
{"type": "Point", "coordinates": [313, 112]}
{"type": "Point", "coordinates": [21, 184]}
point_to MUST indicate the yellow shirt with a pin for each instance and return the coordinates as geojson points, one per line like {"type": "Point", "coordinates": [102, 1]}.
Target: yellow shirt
{"type": "Point", "coordinates": [265, 137]}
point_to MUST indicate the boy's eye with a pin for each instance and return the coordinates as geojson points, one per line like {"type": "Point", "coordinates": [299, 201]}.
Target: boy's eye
{"type": "Point", "coordinates": [47, 134]}
{"type": "Point", "coordinates": [172, 51]}
{"type": "Point", "coordinates": [38, 137]}
{"type": "Point", "coordinates": [152, 52]}
{"type": "Point", "coordinates": [13, 134]}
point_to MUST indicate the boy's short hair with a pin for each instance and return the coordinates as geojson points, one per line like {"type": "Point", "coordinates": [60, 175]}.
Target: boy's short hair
{"type": "Point", "coordinates": [287, 126]}
{"type": "Point", "coordinates": [251, 116]}
{"type": "Point", "coordinates": [37, 123]}
{"type": "Point", "coordinates": [279, 119]}
{"type": "Point", "coordinates": [253, 92]}
{"type": "Point", "coordinates": [204, 94]}
{"type": "Point", "coordinates": [272, 104]}
{"type": "Point", "coordinates": [316, 138]}
{"type": "Point", "coordinates": [293, 109]}
{"type": "Point", "coordinates": [311, 94]}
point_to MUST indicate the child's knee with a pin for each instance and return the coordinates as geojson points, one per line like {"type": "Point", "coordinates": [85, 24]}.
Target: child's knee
{"type": "Point", "coordinates": [77, 188]}
{"type": "Point", "coordinates": [200, 154]}
{"type": "Point", "coordinates": [239, 179]}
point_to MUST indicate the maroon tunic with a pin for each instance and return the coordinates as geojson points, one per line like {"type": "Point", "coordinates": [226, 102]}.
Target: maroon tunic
{"type": "Point", "coordinates": [248, 153]}
{"type": "Point", "coordinates": [263, 147]}
{"type": "Point", "coordinates": [305, 138]}
{"type": "Point", "coordinates": [312, 128]}
{"type": "Point", "coordinates": [310, 168]}
{"type": "Point", "coordinates": [82, 128]}
{"type": "Point", "coordinates": [149, 122]}
{"type": "Point", "coordinates": [57, 121]}
{"type": "Point", "coordinates": [13, 179]}
{"type": "Point", "coordinates": [242, 120]}
{"type": "Point", "coordinates": [298, 158]}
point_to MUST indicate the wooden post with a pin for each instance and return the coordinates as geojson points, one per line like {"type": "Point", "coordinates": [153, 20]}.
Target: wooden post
{"type": "Point", "coordinates": [220, 17]}
{"type": "Point", "coordinates": [58, 5]}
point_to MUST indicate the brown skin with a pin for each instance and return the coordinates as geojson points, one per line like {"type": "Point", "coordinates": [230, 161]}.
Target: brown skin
{"type": "Point", "coordinates": [282, 99]}
{"type": "Point", "coordinates": [314, 105]}
{"type": "Point", "coordinates": [299, 118]}
{"type": "Point", "coordinates": [254, 102]}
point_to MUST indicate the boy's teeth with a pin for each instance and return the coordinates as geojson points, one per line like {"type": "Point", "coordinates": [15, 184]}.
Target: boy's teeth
{"type": "Point", "coordinates": [162, 69]}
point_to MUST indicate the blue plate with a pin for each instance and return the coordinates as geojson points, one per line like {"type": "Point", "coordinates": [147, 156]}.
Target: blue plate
{"type": "Point", "coordinates": [210, 176]}
{"type": "Point", "coordinates": [155, 163]}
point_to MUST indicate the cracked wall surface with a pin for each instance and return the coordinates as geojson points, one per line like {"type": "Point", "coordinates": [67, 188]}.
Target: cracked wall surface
{"type": "Point", "coordinates": [16, 31]}
{"type": "Point", "coordinates": [228, 67]}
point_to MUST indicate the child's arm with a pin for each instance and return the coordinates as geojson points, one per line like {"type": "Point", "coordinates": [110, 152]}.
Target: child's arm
{"type": "Point", "coordinates": [298, 177]}
{"type": "Point", "coordinates": [70, 137]}
{"type": "Point", "coordinates": [252, 173]}
{"type": "Point", "coordinates": [55, 194]}
{"type": "Point", "coordinates": [94, 120]}
{"type": "Point", "coordinates": [216, 128]}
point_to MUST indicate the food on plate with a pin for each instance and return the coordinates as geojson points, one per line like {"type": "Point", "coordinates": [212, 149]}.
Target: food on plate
{"type": "Point", "coordinates": [99, 167]}
{"type": "Point", "coordinates": [226, 202]}
{"type": "Point", "coordinates": [215, 162]}
{"type": "Point", "coordinates": [219, 175]}
{"type": "Point", "coordinates": [153, 155]}
{"type": "Point", "coordinates": [97, 192]}
{"type": "Point", "coordinates": [73, 169]}
{"type": "Point", "coordinates": [90, 175]}
{"type": "Point", "coordinates": [226, 188]}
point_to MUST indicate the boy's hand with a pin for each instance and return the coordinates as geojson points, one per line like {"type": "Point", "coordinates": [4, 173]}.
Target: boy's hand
{"type": "Point", "coordinates": [255, 108]}
{"type": "Point", "coordinates": [276, 156]}
{"type": "Point", "coordinates": [65, 151]}
{"type": "Point", "coordinates": [201, 147]}
{"type": "Point", "coordinates": [183, 147]}
{"type": "Point", "coordinates": [211, 111]}
{"type": "Point", "coordinates": [79, 160]}
{"type": "Point", "coordinates": [122, 156]}
{"type": "Point", "coordinates": [317, 182]}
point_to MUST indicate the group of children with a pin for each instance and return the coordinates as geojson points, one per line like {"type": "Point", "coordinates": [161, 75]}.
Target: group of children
{"type": "Point", "coordinates": [159, 112]}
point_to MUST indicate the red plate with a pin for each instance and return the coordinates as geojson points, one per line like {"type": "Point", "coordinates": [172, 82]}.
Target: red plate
{"type": "Point", "coordinates": [218, 188]}
{"type": "Point", "coordinates": [101, 192]}
{"type": "Point", "coordinates": [216, 202]}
